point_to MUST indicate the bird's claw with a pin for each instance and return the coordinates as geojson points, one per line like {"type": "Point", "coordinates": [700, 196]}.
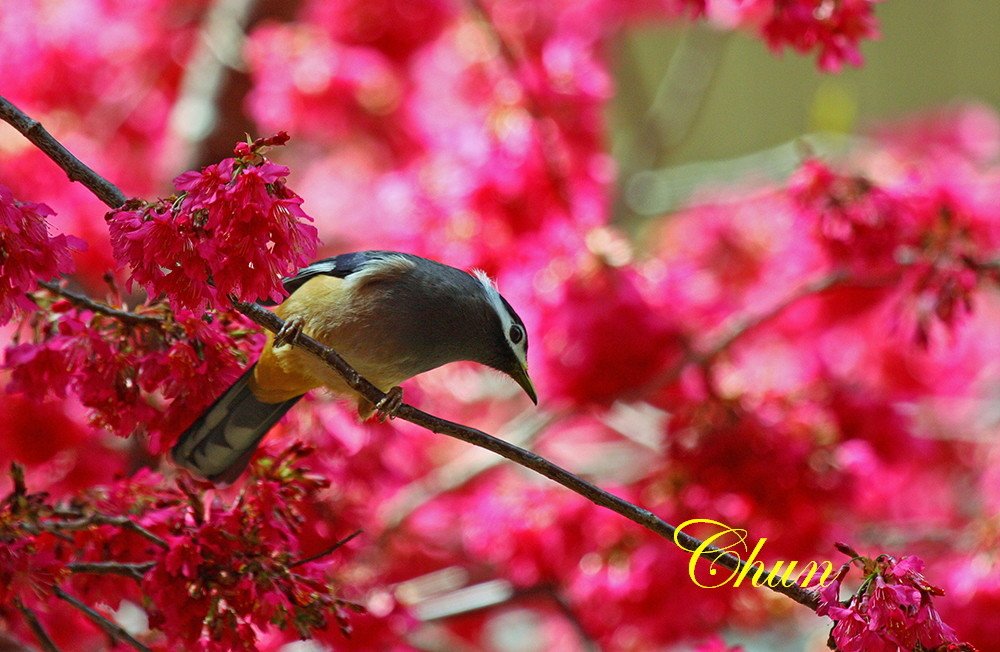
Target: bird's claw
{"type": "Point", "coordinates": [386, 408]}
{"type": "Point", "coordinates": [289, 332]}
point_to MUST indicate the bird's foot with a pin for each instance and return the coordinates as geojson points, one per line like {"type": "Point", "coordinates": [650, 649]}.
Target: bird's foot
{"type": "Point", "coordinates": [386, 408]}
{"type": "Point", "coordinates": [289, 332]}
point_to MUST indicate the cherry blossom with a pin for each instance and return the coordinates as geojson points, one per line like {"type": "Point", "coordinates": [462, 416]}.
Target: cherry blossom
{"type": "Point", "coordinates": [892, 610]}
{"type": "Point", "coordinates": [29, 252]}
{"type": "Point", "coordinates": [239, 209]}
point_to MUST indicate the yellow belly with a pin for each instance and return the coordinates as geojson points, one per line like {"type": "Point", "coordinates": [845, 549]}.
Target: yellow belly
{"type": "Point", "coordinates": [286, 372]}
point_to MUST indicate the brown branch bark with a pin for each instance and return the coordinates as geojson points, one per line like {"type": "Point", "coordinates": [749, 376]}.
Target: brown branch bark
{"type": "Point", "coordinates": [516, 454]}
{"type": "Point", "coordinates": [87, 303]}
{"type": "Point", "coordinates": [85, 522]}
{"type": "Point", "coordinates": [134, 570]}
{"type": "Point", "coordinates": [114, 630]}
{"type": "Point", "coordinates": [525, 458]}
{"type": "Point", "coordinates": [326, 551]}
{"type": "Point", "coordinates": [36, 627]}
{"type": "Point", "coordinates": [33, 130]}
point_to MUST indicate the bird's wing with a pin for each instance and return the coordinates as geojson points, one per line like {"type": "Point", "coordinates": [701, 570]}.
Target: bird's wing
{"type": "Point", "coordinates": [342, 266]}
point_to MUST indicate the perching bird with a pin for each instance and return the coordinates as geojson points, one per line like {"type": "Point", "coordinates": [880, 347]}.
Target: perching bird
{"type": "Point", "coordinates": [390, 315]}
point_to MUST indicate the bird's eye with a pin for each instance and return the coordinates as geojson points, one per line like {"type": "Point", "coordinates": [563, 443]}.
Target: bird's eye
{"type": "Point", "coordinates": [516, 334]}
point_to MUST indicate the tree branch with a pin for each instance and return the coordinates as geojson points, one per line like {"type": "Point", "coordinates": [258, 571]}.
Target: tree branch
{"type": "Point", "coordinates": [469, 435]}
{"type": "Point", "coordinates": [516, 454]}
{"type": "Point", "coordinates": [741, 328]}
{"type": "Point", "coordinates": [816, 286]}
{"type": "Point", "coordinates": [87, 303]}
{"type": "Point", "coordinates": [84, 522]}
{"type": "Point", "coordinates": [36, 627]}
{"type": "Point", "coordinates": [76, 169]}
{"type": "Point", "coordinates": [114, 630]}
{"type": "Point", "coordinates": [134, 570]}
{"type": "Point", "coordinates": [326, 551]}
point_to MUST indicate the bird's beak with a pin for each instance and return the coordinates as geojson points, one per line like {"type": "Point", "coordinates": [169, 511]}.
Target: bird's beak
{"type": "Point", "coordinates": [520, 376]}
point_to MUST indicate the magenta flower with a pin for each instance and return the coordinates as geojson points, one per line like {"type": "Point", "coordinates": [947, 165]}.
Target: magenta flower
{"type": "Point", "coordinates": [109, 366]}
{"type": "Point", "coordinates": [832, 28]}
{"type": "Point", "coordinates": [892, 610]}
{"type": "Point", "coordinates": [27, 252]}
{"type": "Point", "coordinates": [234, 229]}
{"type": "Point", "coordinates": [234, 565]}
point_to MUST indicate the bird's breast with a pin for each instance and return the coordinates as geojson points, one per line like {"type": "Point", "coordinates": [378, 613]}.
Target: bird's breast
{"type": "Point", "coordinates": [373, 334]}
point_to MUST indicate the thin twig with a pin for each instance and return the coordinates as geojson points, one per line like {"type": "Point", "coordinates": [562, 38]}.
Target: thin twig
{"type": "Point", "coordinates": [469, 435]}
{"type": "Point", "coordinates": [76, 169]}
{"type": "Point", "coordinates": [743, 326]}
{"type": "Point", "coordinates": [326, 551]}
{"type": "Point", "coordinates": [113, 629]}
{"type": "Point", "coordinates": [36, 626]}
{"type": "Point", "coordinates": [129, 524]}
{"type": "Point", "coordinates": [86, 302]}
{"type": "Point", "coordinates": [86, 522]}
{"type": "Point", "coordinates": [134, 570]}
{"type": "Point", "coordinates": [816, 286]}
{"type": "Point", "coordinates": [194, 502]}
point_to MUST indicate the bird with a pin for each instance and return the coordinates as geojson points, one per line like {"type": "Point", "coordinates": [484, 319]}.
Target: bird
{"type": "Point", "coordinates": [390, 315]}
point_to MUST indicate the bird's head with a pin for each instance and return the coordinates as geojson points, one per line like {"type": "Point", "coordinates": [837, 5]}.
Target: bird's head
{"type": "Point", "coordinates": [507, 344]}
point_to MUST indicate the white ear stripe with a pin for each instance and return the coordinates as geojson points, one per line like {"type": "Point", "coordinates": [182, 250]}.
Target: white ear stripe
{"type": "Point", "coordinates": [506, 321]}
{"type": "Point", "coordinates": [493, 294]}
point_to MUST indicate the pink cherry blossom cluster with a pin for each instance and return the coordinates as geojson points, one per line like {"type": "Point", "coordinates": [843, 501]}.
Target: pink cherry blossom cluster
{"type": "Point", "coordinates": [893, 608]}
{"type": "Point", "coordinates": [934, 240]}
{"type": "Point", "coordinates": [243, 564]}
{"type": "Point", "coordinates": [28, 252]}
{"type": "Point", "coordinates": [233, 230]}
{"type": "Point", "coordinates": [108, 92]}
{"type": "Point", "coordinates": [832, 28]}
{"type": "Point", "coordinates": [237, 586]}
{"type": "Point", "coordinates": [124, 371]}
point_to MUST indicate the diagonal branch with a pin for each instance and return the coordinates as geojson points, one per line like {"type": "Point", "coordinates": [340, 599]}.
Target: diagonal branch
{"type": "Point", "coordinates": [112, 629]}
{"type": "Point", "coordinates": [326, 551]}
{"type": "Point", "coordinates": [516, 454]}
{"type": "Point", "coordinates": [127, 569]}
{"type": "Point", "coordinates": [85, 522]}
{"type": "Point", "coordinates": [740, 328]}
{"type": "Point", "coordinates": [76, 169]}
{"type": "Point", "coordinates": [744, 325]}
{"type": "Point", "coordinates": [83, 301]}
{"type": "Point", "coordinates": [48, 645]}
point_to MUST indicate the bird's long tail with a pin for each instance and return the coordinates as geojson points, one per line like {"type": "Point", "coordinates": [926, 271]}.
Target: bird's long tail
{"type": "Point", "coordinates": [219, 445]}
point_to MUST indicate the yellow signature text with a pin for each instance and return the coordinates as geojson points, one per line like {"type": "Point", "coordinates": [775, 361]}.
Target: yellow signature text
{"type": "Point", "coordinates": [724, 539]}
